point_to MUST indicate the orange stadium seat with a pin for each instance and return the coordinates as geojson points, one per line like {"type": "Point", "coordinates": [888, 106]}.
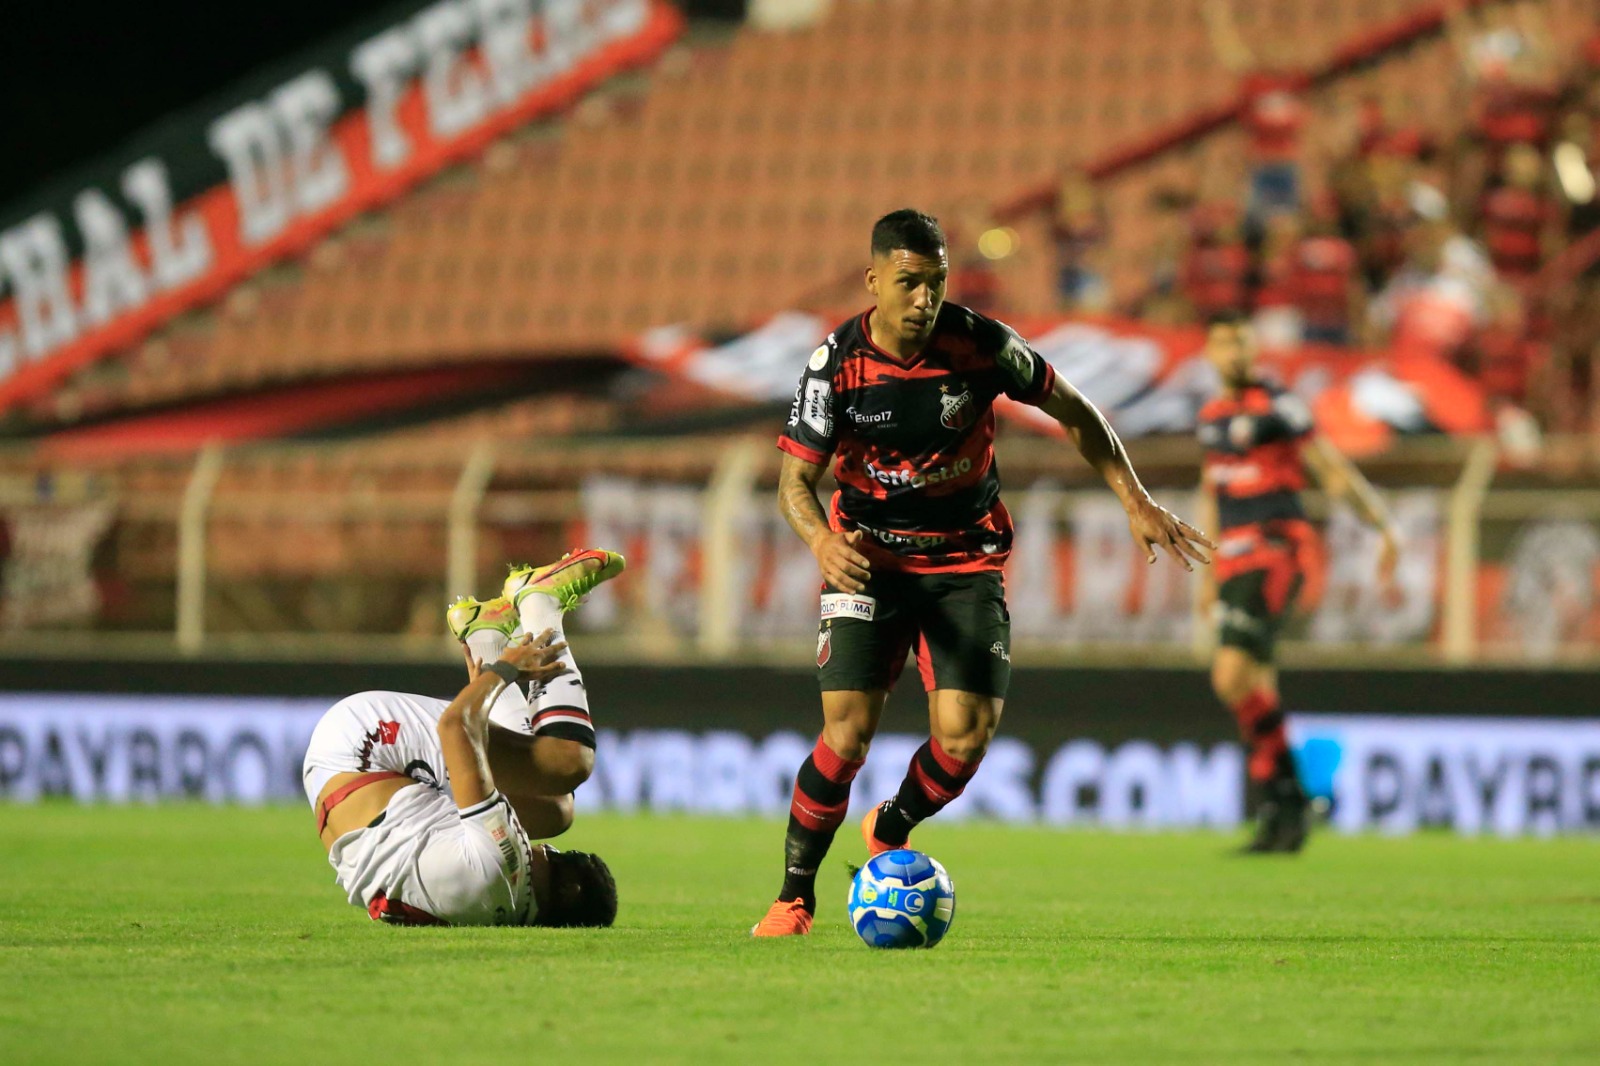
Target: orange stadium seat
{"type": "Point", "coordinates": [743, 179]}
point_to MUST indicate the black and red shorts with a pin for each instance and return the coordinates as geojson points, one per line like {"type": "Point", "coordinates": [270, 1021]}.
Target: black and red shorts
{"type": "Point", "coordinates": [957, 624]}
{"type": "Point", "coordinates": [1262, 571]}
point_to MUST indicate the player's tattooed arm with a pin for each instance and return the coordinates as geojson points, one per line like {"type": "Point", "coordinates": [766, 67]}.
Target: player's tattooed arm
{"type": "Point", "coordinates": [1152, 525]}
{"type": "Point", "coordinates": [1341, 480]}
{"type": "Point", "coordinates": [842, 565]}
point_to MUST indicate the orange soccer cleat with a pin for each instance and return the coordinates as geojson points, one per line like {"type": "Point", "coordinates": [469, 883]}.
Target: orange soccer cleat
{"type": "Point", "coordinates": [784, 919]}
{"type": "Point", "coordinates": [869, 825]}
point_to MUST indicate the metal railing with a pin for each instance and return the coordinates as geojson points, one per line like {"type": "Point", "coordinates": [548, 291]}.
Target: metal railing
{"type": "Point", "coordinates": [330, 550]}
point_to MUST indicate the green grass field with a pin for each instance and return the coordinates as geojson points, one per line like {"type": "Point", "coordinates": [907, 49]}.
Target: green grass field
{"type": "Point", "coordinates": [189, 934]}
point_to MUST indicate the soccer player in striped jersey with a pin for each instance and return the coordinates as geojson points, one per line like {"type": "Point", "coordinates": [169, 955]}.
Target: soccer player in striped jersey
{"type": "Point", "coordinates": [428, 808]}
{"type": "Point", "coordinates": [912, 547]}
{"type": "Point", "coordinates": [1260, 444]}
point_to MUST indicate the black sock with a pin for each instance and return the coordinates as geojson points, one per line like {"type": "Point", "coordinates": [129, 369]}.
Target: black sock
{"type": "Point", "coordinates": [933, 779]}
{"type": "Point", "coordinates": [1284, 785]}
{"type": "Point", "coordinates": [803, 851]}
{"type": "Point", "coordinates": [821, 797]}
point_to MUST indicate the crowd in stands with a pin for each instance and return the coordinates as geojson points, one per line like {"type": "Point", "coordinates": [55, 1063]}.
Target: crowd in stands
{"type": "Point", "coordinates": [1347, 225]}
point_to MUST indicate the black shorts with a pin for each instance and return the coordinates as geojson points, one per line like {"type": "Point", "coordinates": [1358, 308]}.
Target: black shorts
{"type": "Point", "coordinates": [1252, 608]}
{"type": "Point", "coordinates": [957, 624]}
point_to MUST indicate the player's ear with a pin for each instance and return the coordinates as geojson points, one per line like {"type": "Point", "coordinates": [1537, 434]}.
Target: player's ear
{"type": "Point", "coordinates": [872, 281]}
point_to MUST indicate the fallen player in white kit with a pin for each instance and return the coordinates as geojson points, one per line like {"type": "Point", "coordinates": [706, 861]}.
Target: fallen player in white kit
{"type": "Point", "coordinates": [428, 807]}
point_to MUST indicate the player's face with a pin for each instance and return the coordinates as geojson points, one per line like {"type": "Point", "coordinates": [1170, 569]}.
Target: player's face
{"type": "Point", "coordinates": [910, 290]}
{"type": "Point", "coordinates": [1232, 350]}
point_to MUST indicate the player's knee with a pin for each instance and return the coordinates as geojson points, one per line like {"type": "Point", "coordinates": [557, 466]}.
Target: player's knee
{"type": "Point", "coordinates": [973, 731]}
{"type": "Point", "coordinates": [968, 747]}
{"type": "Point", "coordinates": [569, 764]}
{"type": "Point", "coordinates": [847, 739]}
{"type": "Point", "coordinates": [562, 813]}
{"type": "Point", "coordinates": [553, 765]}
{"type": "Point", "coordinates": [1232, 676]}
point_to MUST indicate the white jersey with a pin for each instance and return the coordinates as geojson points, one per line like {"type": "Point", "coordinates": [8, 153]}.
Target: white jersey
{"type": "Point", "coordinates": [422, 861]}
{"type": "Point", "coordinates": [394, 731]}
{"type": "Point", "coordinates": [422, 858]}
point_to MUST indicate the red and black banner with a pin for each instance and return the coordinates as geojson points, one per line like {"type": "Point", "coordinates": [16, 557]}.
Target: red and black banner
{"type": "Point", "coordinates": [95, 262]}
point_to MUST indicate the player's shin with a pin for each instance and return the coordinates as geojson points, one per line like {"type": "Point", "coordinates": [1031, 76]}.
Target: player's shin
{"type": "Point", "coordinates": [934, 778]}
{"type": "Point", "coordinates": [1280, 799]}
{"type": "Point", "coordinates": [1261, 726]}
{"type": "Point", "coordinates": [821, 797]}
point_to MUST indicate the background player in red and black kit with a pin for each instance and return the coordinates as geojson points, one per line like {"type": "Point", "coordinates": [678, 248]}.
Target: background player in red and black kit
{"type": "Point", "coordinates": [1259, 443]}
{"type": "Point", "coordinates": [912, 547]}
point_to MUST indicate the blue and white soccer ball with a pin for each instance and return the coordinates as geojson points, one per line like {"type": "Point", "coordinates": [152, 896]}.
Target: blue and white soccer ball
{"type": "Point", "coordinates": [902, 899]}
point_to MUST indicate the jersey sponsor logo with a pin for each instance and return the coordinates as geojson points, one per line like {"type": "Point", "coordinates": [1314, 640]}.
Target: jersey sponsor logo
{"type": "Point", "coordinates": [845, 605]}
{"type": "Point", "coordinates": [1228, 473]}
{"type": "Point", "coordinates": [816, 406]}
{"type": "Point", "coordinates": [1233, 546]}
{"type": "Point", "coordinates": [1018, 358]}
{"type": "Point", "coordinates": [957, 411]}
{"type": "Point", "coordinates": [908, 479]}
{"type": "Point", "coordinates": [905, 540]}
{"type": "Point", "coordinates": [500, 831]}
{"type": "Point", "coordinates": [876, 418]}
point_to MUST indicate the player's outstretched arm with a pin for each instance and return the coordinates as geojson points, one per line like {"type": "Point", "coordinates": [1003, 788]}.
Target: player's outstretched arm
{"type": "Point", "coordinates": [464, 725]}
{"type": "Point", "coordinates": [1152, 525]}
{"type": "Point", "coordinates": [1341, 480]}
{"type": "Point", "coordinates": [842, 565]}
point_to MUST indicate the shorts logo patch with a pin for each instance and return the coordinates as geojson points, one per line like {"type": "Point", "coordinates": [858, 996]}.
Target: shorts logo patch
{"type": "Point", "coordinates": [388, 732]}
{"type": "Point", "coordinates": [998, 648]}
{"type": "Point", "coordinates": [844, 605]}
{"type": "Point", "coordinates": [824, 647]}
{"type": "Point", "coordinates": [1227, 617]}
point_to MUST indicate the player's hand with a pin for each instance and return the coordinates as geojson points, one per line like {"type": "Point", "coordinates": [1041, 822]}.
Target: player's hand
{"type": "Point", "coordinates": [1153, 526]}
{"type": "Point", "coordinates": [536, 658]}
{"type": "Point", "coordinates": [474, 667]}
{"type": "Point", "coordinates": [843, 564]}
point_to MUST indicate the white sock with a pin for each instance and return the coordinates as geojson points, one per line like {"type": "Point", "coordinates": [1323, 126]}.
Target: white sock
{"type": "Point", "coordinates": [561, 705]}
{"type": "Point", "coordinates": [486, 645]}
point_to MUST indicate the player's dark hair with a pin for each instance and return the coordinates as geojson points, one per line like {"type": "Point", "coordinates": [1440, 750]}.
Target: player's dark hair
{"type": "Point", "coordinates": [909, 231]}
{"type": "Point", "coordinates": [1230, 316]}
{"type": "Point", "coordinates": [582, 891]}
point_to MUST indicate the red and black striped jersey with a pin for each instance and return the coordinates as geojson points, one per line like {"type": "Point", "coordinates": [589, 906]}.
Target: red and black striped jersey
{"type": "Point", "coordinates": [914, 439]}
{"type": "Point", "coordinates": [1252, 442]}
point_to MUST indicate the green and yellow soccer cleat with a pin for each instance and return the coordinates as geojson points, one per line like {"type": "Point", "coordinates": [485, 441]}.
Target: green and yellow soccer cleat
{"type": "Point", "coordinates": [467, 616]}
{"type": "Point", "coordinates": [577, 574]}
